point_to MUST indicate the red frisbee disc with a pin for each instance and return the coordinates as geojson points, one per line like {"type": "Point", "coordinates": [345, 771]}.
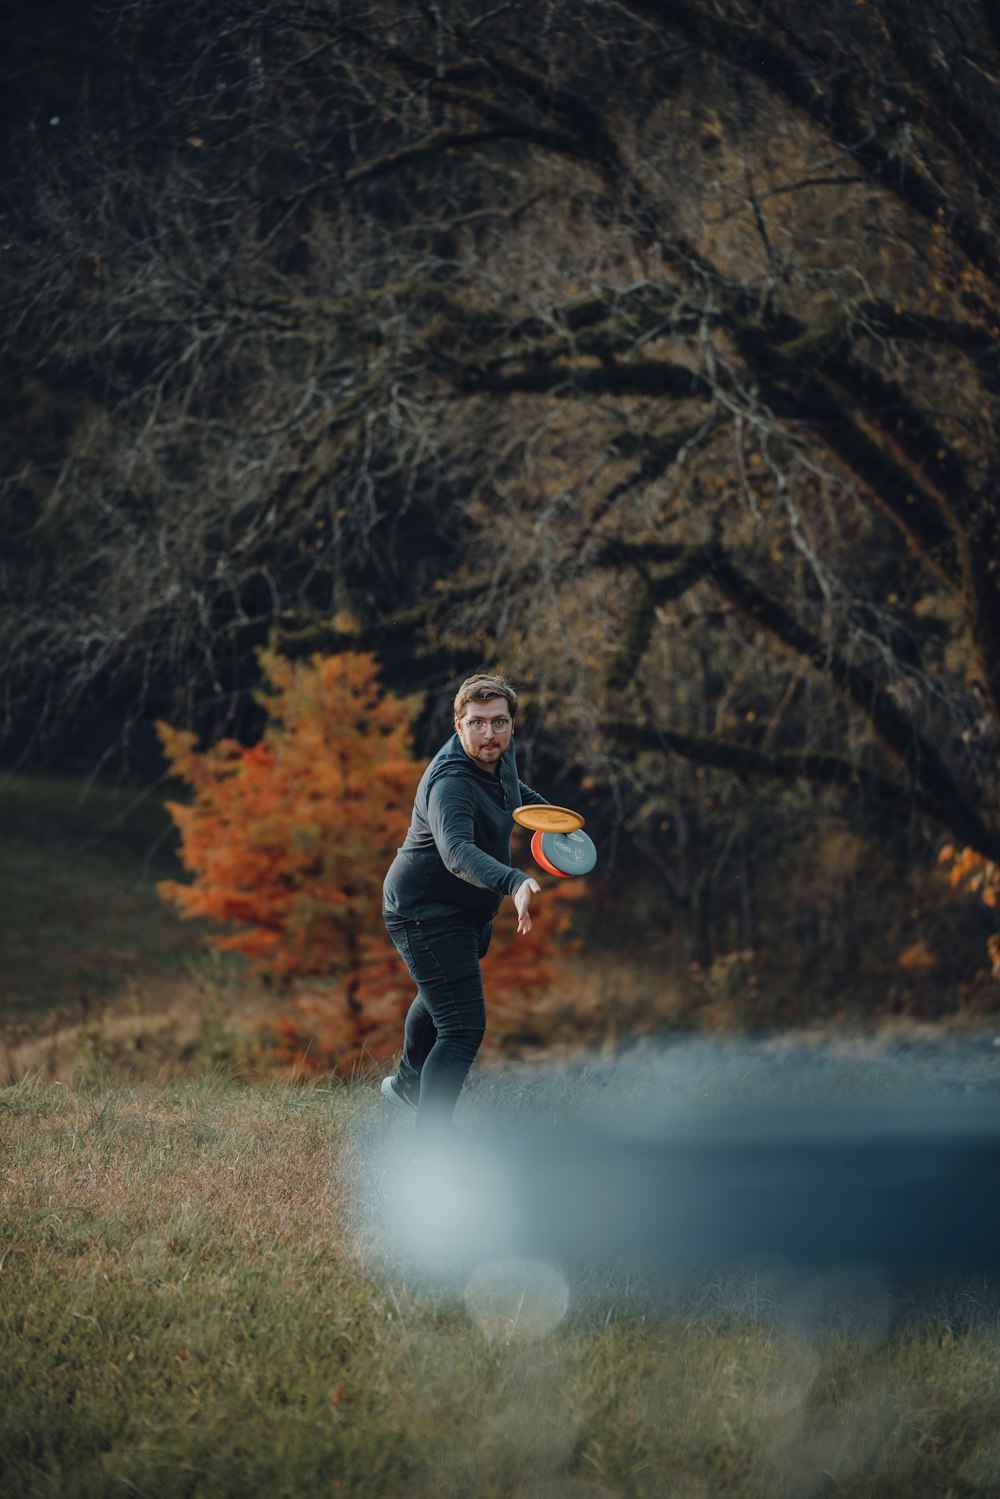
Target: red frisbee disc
{"type": "Point", "coordinates": [540, 859]}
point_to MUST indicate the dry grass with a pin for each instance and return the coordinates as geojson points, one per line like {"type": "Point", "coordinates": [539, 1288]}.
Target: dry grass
{"type": "Point", "coordinates": [163, 1027]}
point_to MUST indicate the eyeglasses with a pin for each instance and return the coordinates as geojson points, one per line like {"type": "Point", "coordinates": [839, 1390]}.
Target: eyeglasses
{"type": "Point", "coordinates": [480, 725]}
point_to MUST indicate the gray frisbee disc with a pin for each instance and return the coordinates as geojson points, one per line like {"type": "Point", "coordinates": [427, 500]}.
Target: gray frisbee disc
{"type": "Point", "coordinates": [566, 853]}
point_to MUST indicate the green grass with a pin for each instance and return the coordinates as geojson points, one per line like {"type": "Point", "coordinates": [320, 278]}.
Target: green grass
{"type": "Point", "coordinates": [79, 913]}
{"type": "Point", "coordinates": [195, 1300]}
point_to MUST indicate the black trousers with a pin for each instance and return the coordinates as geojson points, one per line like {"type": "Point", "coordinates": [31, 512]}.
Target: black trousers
{"type": "Point", "coordinates": [446, 1022]}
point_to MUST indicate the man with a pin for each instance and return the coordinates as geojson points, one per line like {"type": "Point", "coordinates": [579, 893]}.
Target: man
{"type": "Point", "coordinates": [441, 893]}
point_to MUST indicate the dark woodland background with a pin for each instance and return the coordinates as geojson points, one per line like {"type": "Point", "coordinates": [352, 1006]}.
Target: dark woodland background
{"type": "Point", "coordinates": [650, 353]}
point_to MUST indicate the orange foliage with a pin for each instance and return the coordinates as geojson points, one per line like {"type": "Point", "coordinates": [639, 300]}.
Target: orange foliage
{"type": "Point", "coordinates": [977, 875]}
{"type": "Point", "coordinates": [289, 840]}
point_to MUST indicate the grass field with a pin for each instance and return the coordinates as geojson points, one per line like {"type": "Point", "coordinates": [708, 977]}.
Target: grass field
{"type": "Point", "coordinates": [80, 917]}
{"type": "Point", "coordinates": [196, 1299]}
{"type": "Point", "coordinates": [198, 1294]}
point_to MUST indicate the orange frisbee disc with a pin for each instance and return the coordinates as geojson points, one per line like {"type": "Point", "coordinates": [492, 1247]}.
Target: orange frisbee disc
{"type": "Point", "coordinates": [542, 818]}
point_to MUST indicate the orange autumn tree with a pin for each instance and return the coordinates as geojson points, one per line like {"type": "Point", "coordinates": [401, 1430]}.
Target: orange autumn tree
{"type": "Point", "coordinates": [288, 842]}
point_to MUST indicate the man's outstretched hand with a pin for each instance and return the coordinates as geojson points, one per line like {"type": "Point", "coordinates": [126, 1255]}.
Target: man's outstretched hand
{"type": "Point", "coordinates": [522, 899]}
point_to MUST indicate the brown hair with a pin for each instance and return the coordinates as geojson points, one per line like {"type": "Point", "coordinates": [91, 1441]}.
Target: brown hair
{"type": "Point", "coordinates": [480, 688]}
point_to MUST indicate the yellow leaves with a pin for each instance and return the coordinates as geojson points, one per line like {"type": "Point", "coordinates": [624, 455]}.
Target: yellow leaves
{"type": "Point", "coordinates": [966, 866]}
{"type": "Point", "coordinates": [973, 873]}
{"type": "Point", "coordinates": [177, 744]}
{"type": "Point", "coordinates": [918, 958]}
{"type": "Point", "coordinates": [993, 947]}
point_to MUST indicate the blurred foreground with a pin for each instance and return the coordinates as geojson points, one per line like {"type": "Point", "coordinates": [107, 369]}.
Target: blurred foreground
{"type": "Point", "coordinates": [203, 1294]}
{"type": "Point", "coordinates": [677, 1156]}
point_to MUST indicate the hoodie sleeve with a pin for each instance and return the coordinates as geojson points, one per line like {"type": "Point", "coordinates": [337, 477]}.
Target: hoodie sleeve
{"type": "Point", "coordinates": [451, 821]}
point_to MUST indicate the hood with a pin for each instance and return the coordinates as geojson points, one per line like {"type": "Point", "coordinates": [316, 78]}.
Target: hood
{"type": "Point", "coordinates": [451, 760]}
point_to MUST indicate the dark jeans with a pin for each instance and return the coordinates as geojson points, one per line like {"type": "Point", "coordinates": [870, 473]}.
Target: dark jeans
{"type": "Point", "coordinates": [447, 1020]}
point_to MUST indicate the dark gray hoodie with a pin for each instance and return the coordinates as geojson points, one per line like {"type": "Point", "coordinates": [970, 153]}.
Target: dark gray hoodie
{"type": "Point", "coordinates": [456, 854]}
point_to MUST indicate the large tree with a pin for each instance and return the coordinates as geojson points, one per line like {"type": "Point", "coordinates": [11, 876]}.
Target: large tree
{"type": "Point", "coordinates": [203, 449]}
{"type": "Point", "coordinates": [681, 321]}
{"type": "Point", "coordinates": [726, 332]}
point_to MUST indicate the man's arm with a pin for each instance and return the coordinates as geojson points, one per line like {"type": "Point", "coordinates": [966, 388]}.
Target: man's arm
{"type": "Point", "coordinates": [449, 815]}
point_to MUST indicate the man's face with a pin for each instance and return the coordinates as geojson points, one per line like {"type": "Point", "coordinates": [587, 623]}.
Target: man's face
{"type": "Point", "coordinates": [485, 730]}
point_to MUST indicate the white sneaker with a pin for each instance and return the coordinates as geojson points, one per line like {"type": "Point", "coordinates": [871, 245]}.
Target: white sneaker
{"type": "Point", "coordinates": [392, 1091]}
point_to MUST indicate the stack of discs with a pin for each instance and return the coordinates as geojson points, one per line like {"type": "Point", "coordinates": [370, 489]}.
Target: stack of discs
{"type": "Point", "coordinates": [564, 854]}
{"type": "Point", "coordinates": [557, 843]}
